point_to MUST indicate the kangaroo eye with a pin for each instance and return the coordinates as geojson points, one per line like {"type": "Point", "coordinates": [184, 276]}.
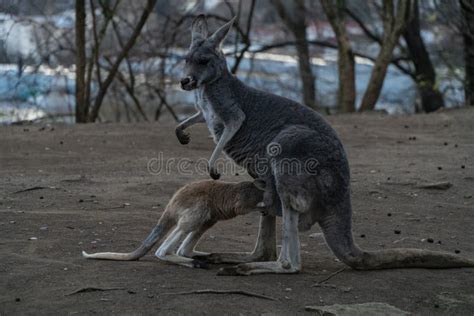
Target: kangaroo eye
{"type": "Point", "coordinates": [203, 61]}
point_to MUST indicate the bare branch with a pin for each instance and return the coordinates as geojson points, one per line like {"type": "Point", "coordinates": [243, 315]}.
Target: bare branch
{"type": "Point", "coordinates": [110, 77]}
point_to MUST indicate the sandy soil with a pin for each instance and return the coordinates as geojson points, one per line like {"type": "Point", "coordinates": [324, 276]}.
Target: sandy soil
{"type": "Point", "coordinates": [91, 189]}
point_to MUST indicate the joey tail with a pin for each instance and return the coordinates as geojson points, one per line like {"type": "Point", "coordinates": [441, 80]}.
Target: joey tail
{"type": "Point", "coordinates": [338, 234]}
{"type": "Point", "coordinates": [160, 230]}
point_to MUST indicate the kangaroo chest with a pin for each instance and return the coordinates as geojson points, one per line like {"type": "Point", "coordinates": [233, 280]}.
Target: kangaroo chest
{"type": "Point", "coordinates": [213, 122]}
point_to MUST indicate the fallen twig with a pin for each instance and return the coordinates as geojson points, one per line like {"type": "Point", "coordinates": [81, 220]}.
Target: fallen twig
{"type": "Point", "coordinates": [111, 208]}
{"type": "Point", "coordinates": [319, 283]}
{"type": "Point", "coordinates": [211, 291]}
{"type": "Point", "coordinates": [332, 286]}
{"type": "Point", "coordinates": [436, 186]}
{"type": "Point", "coordinates": [94, 289]}
{"type": "Point", "coordinates": [30, 189]}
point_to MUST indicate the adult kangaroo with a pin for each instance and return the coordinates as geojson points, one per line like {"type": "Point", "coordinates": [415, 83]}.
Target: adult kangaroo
{"type": "Point", "coordinates": [267, 134]}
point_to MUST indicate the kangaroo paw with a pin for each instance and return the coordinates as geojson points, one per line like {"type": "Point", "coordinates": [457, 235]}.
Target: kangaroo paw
{"type": "Point", "coordinates": [214, 174]}
{"type": "Point", "coordinates": [183, 137]}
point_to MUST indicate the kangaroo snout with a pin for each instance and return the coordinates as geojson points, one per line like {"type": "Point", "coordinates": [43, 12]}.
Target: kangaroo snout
{"type": "Point", "coordinates": [188, 83]}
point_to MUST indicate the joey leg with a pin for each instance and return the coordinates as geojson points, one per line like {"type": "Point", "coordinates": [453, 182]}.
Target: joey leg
{"type": "Point", "coordinates": [265, 247]}
{"type": "Point", "coordinates": [289, 260]}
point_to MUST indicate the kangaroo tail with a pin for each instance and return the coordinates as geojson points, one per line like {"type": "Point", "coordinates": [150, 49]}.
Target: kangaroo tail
{"type": "Point", "coordinates": [155, 235]}
{"type": "Point", "coordinates": [338, 235]}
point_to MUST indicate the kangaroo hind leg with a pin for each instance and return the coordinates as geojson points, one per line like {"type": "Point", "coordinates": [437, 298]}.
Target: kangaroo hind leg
{"type": "Point", "coordinates": [167, 251]}
{"type": "Point", "coordinates": [189, 243]}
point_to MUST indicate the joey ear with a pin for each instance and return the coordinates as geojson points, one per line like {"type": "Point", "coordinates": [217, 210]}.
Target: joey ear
{"type": "Point", "coordinates": [199, 28]}
{"type": "Point", "coordinates": [219, 36]}
{"type": "Point", "coordinates": [260, 184]}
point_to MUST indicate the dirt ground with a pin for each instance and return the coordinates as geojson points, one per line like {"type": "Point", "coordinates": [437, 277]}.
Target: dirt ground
{"type": "Point", "coordinates": [68, 188]}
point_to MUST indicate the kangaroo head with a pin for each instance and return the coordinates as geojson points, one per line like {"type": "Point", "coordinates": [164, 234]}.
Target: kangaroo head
{"type": "Point", "coordinates": [205, 61]}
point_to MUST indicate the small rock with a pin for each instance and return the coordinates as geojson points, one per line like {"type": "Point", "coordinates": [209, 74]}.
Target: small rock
{"type": "Point", "coordinates": [45, 227]}
{"type": "Point", "coordinates": [41, 197]}
{"type": "Point", "coordinates": [17, 299]}
{"type": "Point", "coordinates": [389, 214]}
{"type": "Point", "coordinates": [457, 251]}
{"type": "Point", "coordinates": [463, 166]}
{"type": "Point", "coordinates": [397, 232]}
{"type": "Point", "coordinates": [440, 168]}
{"type": "Point", "coordinates": [288, 289]}
{"type": "Point", "coordinates": [316, 235]}
{"type": "Point", "coordinates": [430, 240]}
{"type": "Point", "coordinates": [445, 143]}
{"type": "Point", "coordinates": [33, 238]}
{"type": "Point", "coordinates": [12, 222]}
{"type": "Point", "coordinates": [362, 236]}
{"type": "Point", "coordinates": [126, 204]}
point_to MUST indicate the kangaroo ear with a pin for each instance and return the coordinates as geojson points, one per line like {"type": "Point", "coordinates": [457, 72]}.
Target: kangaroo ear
{"type": "Point", "coordinates": [260, 184]}
{"type": "Point", "coordinates": [199, 28]}
{"type": "Point", "coordinates": [219, 36]}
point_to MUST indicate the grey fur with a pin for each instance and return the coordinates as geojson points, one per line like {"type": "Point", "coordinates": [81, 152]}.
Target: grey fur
{"type": "Point", "coordinates": [244, 121]}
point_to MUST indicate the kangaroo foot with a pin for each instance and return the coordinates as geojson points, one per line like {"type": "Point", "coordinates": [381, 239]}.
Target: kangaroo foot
{"type": "Point", "coordinates": [276, 267]}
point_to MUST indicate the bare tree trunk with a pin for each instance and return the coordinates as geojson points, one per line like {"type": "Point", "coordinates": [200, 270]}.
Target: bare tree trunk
{"type": "Point", "coordinates": [292, 12]}
{"type": "Point", "coordinates": [467, 9]}
{"type": "Point", "coordinates": [346, 67]}
{"type": "Point", "coordinates": [80, 29]}
{"type": "Point", "coordinates": [425, 75]}
{"type": "Point", "coordinates": [150, 4]}
{"type": "Point", "coordinates": [393, 26]}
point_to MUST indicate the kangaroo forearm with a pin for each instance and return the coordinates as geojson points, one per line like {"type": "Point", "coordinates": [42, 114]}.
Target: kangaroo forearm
{"type": "Point", "coordinates": [194, 119]}
{"type": "Point", "coordinates": [180, 134]}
